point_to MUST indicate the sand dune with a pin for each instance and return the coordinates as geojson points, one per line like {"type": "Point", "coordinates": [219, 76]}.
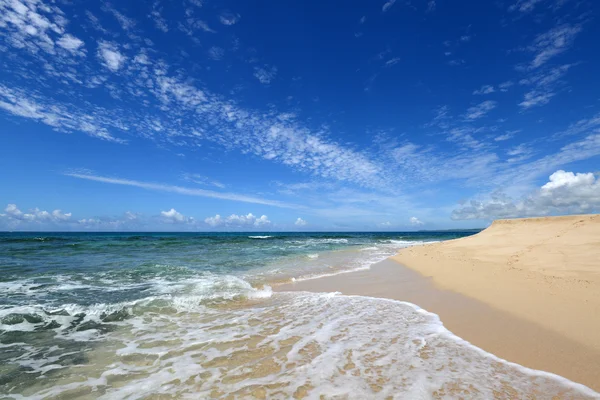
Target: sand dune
{"type": "Point", "coordinates": [544, 270]}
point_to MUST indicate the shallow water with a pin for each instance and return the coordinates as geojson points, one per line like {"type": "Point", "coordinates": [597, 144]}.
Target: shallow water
{"type": "Point", "coordinates": [144, 316]}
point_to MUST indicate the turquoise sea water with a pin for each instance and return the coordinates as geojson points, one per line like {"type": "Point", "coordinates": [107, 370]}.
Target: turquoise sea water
{"type": "Point", "coordinates": [192, 315]}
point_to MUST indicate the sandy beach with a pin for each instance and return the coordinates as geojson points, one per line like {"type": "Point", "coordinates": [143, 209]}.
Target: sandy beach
{"type": "Point", "coordinates": [526, 290]}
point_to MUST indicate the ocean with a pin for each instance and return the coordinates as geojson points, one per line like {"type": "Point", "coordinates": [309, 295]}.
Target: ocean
{"type": "Point", "coordinates": [193, 316]}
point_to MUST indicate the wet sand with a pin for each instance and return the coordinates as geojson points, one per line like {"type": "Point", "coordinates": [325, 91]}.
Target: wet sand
{"type": "Point", "coordinates": [503, 334]}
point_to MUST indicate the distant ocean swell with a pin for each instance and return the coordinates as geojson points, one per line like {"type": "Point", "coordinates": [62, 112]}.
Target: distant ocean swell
{"type": "Point", "coordinates": [202, 322]}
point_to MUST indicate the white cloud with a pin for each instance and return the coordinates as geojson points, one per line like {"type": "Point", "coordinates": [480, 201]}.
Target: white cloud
{"type": "Point", "coordinates": [388, 4]}
{"type": "Point", "coordinates": [57, 116]}
{"type": "Point", "coordinates": [414, 221]}
{"type": "Point", "coordinates": [202, 180]}
{"type": "Point", "coordinates": [544, 85]}
{"type": "Point", "coordinates": [193, 25]}
{"type": "Point", "coordinates": [130, 216]}
{"type": "Point", "coordinates": [385, 224]}
{"type": "Point", "coordinates": [300, 222]}
{"type": "Point", "coordinates": [182, 190]}
{"type": "Point", "coordinates": [110, 56]}
{"type": "Point", "coordinates": [392, 61]}
{"type": "Point", "coordinates": [431, 6]}
{"type": "Point", "coordinates": [265, 74]}
{"type": "Point", "coordinates": [536, 98]}
{"type": "Point", "coordinates": [13, 214]}
{"type": "Point", "coordinates": [174, 112]}
{"type": "Point", "coordinates": [234, 220]}
{"type": "Point", "coordinates": [485, 89]}
{"type": "Point", "coordinates": [524, 6]}
{"type": "Point", "coordinates": [507, 135]}
{"type": "Point", "coordinates": [519, 153]}
{"type": "Point", "coordinates": [552, 43]}
{"type": "Point", "coordinates": [480, 110]}
{"type": "Point", "coordinates": [504, 86]}
{"type": "Point", "coordinates": [456, 62]}
{"type": "Point", "coordinates": [125, 22]}
{"type": "Point", "coordinates": [174, 217]}
{"type": "Point", "coordinates": [229, 18]}
{"type": "Point", "coordinates": [564, 193]}
{"type": "Point", "coordinates": [585, 125]}
{"type": "Point", "coordinates": [157, 17]}
{"type": "Point", "coordinates": [216, 53]}
{"type": "Point", "coordinates": [215, 221]}
{"type": "Point", "coordinates": [71, 43]}
{"type": "Point", "coordinates": [362, 19]}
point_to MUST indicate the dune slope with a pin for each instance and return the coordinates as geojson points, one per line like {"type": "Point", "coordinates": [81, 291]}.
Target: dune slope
{"type": "Point", "coordinates": [544, 270]}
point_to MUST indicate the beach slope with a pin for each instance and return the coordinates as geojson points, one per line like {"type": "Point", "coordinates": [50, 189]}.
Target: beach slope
{"type": "Point", "coordinates": [543, 270]}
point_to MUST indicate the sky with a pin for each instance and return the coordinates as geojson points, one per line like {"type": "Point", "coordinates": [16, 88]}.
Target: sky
{"type": "Point", "coordinates": [297, 115]}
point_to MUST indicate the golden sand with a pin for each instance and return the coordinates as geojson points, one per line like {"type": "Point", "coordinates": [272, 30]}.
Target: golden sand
{"type": "Point", "coordinates": [544, 270]}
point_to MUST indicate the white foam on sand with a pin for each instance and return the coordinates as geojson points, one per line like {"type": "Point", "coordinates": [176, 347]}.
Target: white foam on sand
{"type": "Point", "coordinates": [317, 344]}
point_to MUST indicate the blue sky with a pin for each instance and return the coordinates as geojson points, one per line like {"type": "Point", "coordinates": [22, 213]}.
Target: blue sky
{"type": "Point", "coordinates": [296, 115]}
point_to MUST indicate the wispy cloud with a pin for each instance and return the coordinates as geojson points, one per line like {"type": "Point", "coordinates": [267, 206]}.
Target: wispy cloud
{"type": "Point", "coordinates": [480, 110]}
{"type": "Point", "coordinates": [202, 180]}
{"type": "Point", "coordinates": [183, 190]}
{"type": "Point", "coordinates": [552, 43]}
{"type": "Point", "coordinates": [56, 115]}
{"type": "Point", "coordinates": [392, 61]}
{"type": "Point", "coordinates": [524, 6]}
{"type": "Point", "coordinates": [156, 15]}
{"type": "Point", "coordinates": [388, 4]}
{"type": "Point", "coordinates": [265, 74]}
{"type": "Point", "coordinates": [485, 89]}
{"type": "Point", "coordinates": [125, 22]}
{"type": "Point", "coordinates": [544, 86]}
{"type": "Point", "coordinates": [216, 53]}
{"type": "Point", "coordinates": [229, 19]}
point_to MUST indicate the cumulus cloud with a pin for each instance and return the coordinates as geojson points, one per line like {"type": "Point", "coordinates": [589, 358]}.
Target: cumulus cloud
{"type": "Point", "coordinates": [13, 214]}
{"type": "Point", "coordinates": [234, 220]}
{"type": "Point", "coordinates": [300, 222]}
{"type": "Point", "coordinates": [174, 217]}
{"type": "Point", "coordinates": [385, 224]}
{"type": "Point", "coordinates": [564, 193]}
{"type": "Point", "coordinates": [414, 221]}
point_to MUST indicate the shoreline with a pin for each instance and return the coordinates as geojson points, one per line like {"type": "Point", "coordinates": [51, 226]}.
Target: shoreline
{"type": "Point", "coordinates": [501, 291]}
{"type": "Point", "coordinates": [494, 331]}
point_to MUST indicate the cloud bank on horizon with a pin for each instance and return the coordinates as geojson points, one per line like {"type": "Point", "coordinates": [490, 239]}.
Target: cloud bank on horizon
{"type": "Point", "coordinates": [182, 115]}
